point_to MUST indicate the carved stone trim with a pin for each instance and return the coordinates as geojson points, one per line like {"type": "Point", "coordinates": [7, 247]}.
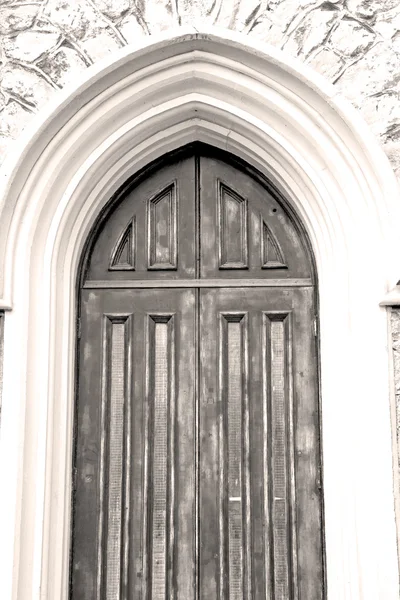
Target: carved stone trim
{"type": "Point", "coordinates": [392, 298]}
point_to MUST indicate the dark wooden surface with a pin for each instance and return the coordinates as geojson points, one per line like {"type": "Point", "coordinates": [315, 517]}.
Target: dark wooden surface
{"type": "Point", "coordinates": [197, 459]}
{"type": "Point", "coordinates": [163, 209]}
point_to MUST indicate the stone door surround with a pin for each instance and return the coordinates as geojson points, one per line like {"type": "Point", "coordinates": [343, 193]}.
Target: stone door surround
{"type": "Point", "coordinates": [222, 89]}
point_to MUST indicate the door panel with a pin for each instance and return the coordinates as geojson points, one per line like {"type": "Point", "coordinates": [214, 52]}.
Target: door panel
{"type": "Point", "coordinates": [260, 519]}
{"type": "Point", "coordinates": [244, 231]}
{"type": "Point", "coordinates": [151, 232]}
{"type": "Point", "coordinates": [134, 509]}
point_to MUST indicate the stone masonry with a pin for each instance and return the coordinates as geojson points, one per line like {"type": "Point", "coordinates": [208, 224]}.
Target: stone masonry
{"type": "Point", "coordinates": [355, 44]}
{"type": "Point", "coordinates": [45, 44]}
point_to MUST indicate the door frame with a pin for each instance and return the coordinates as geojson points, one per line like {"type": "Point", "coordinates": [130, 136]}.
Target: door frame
{"type": "Point", "coordinates": [288, 123]}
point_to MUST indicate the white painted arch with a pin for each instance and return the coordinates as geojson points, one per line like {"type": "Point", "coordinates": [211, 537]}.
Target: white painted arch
{"type": "Point", "coordinates": [222, 89]}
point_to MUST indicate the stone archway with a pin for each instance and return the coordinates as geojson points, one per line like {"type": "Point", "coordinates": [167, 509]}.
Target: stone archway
{"type": "Point", "coordinates": [245, 98]}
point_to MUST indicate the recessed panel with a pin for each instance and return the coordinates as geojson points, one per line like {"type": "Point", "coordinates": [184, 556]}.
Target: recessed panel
{"type": "Point", "coordinates": [271, 252]}
{"type": "Point", "coordinates": [115, 460]}
{"type": "Point", "coordinates": [234, 466]}
{"type": "Point", "coordinates": [246, 230]}
{"type": "Point", "coordinates": [162, 230]}
{"type": "Point", "coordinates": [124, 252]}
{"type": "Point", "coordinates": [233, 244]}
{"type": "Point", "coordinates": [160, 457]}
{"type": "Point", "coordinates": [278, 436]}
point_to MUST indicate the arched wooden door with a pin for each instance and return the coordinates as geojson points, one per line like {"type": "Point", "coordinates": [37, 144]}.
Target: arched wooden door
{"type": "Point", "coordinates": [197, 460]}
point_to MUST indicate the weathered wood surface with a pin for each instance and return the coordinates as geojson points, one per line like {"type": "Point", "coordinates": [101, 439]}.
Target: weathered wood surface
{"type": "Point", "coordinates": [197, 439]}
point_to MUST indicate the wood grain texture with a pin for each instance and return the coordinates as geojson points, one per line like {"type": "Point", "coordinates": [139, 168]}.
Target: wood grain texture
{"type": "Point", "coordinates": [206, 220]}
{"type": "Point", "coordinates": [162, 229]}
{"type": "Point", "coordinates": [116, 511]}
{"type": "Point", "coordinates": [245, 232]}
{"type": "Point", "coordinates": [280, 540]}
{"type": "Point", "coordinates": [280, 441]}
{"type": "Point", "coordinates": [197, 449]}
{"type": "Point", "coordinates": [232, 234]}
{"type": "Point", "coordinates": [162, 219]}
{"type": "Point", "coordinates": [271, 251]}
{"type": "Point", "coordinates": [235, 515]}
{"type": "Point", "coordinates": [114, 471]}
{"type": "Point", "coordinates": [151, 367]}
{"type": "Point", "coordinates": [160, 441]}
{"type": "Point", "coordinates": [197, 283]}
{"type": "Point", "coordinates": [124, 252]}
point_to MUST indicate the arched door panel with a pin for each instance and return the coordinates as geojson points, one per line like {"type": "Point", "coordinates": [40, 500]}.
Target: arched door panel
{"type": "Point", "coordinates": [151, 232]}
{"type": "Point", "coordinates": [245, 231]}
{"type": "Point", "coordinates": [198, 218]}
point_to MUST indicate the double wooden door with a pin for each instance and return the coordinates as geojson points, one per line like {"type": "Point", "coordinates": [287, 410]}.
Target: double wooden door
{"type": "Point", "coordinates": [197, 438]}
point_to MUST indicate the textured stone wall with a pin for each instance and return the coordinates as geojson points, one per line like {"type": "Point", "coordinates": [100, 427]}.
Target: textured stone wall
{"type": "Point", "coordinates": [354, 43]}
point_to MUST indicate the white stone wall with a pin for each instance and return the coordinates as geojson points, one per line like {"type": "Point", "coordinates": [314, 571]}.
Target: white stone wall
{"type": "Point", "coordinates": [354, 43]}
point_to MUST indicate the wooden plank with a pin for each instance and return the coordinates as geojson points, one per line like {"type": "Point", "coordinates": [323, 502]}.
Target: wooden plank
{"type": "Point", "coordinates": [236, 487]}
{"type": "Point", "coordinates": [279, 442]}
{"type": "Point", "coordinates": [197, 283]}
{"type": "Point", "coordinates": [115, 429]}
{"type": "Point", "coordinates": [211, 454]}
{"type": "Point", "coordinates": [225, 488]}
{"type": "Point", "coordinates": [161, 483]}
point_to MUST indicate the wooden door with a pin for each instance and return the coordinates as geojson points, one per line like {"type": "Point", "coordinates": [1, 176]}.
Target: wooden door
{"type": "Point", "coordinates": [197, 467]}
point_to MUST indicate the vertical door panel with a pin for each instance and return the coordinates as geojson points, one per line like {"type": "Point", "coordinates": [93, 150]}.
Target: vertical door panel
{"type": "Point", "coordinates": [134, 509]}
{"type": "Point", "coordinates": [260, 519]}
{"type": "Point", "coordinates": [115, 456]}
{"type": "Point", "coordinates": [232, 229]}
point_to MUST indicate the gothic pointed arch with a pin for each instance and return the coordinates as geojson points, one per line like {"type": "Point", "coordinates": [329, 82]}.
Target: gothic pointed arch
{"type": "Point", "coordinates": [130, 110]}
